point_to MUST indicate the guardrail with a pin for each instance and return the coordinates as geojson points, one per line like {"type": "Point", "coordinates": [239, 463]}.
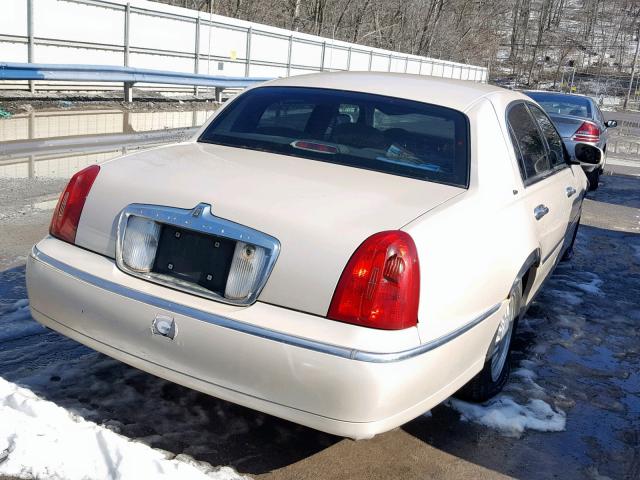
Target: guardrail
{"type": "Point", "coordinates": [140, 33]}
{"type": "Point", "coordinates": [127, 75]}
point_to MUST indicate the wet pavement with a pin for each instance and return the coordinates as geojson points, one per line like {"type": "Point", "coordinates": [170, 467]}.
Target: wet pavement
{"type": "Point", "coordinates": [571, 408]}
{"type": "Point", "coordinates": [578, 351]}
{"type": "Point", "coordinates": [57, 143]}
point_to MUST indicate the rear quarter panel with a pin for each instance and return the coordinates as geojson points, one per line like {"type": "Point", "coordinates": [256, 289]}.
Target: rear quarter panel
{"type": "Point", "coordinates": [472, 247]}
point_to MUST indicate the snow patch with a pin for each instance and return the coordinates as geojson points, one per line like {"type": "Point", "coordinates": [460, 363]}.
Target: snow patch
{"type": "Point", "coordinates": [570, 298]}
{"type": "Point", "coordinates": [16, 322]}
{"type": "Point", "coordinates": [39, 439]}
{"type": "Point", "coordinates": [591, 287]}
{"type": "Point", "coordinates": [511, 418]}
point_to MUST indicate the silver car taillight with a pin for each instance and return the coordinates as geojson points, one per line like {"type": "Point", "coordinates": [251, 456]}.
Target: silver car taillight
{"type": "Point", "coordinates": [140, 243]}
{"type": "Point", "coordinates": [247, 265]}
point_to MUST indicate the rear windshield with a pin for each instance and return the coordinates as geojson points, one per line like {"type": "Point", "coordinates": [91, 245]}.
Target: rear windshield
{"type": "Point", "coordinates": [562, 104]}
{"type": "Point", "coordinates": [374, 132]}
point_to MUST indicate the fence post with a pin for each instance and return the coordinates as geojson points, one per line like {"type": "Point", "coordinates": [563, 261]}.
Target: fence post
{"type": "Point", "coordinates": [420, 68]}
{"type": "Point", "coordinates": [406, 64]}
{"type": "Point", "coordinates": [196, 62]}
{"type": "Point", "coordinates": [128, 86]}
{"type": "Point", "coordinates": [349, 59]}
{"type": "Point", "coordinates": [30, 46]}
{"type": "Point", "coordinates": [324, 49]}
{"type": "Point", "coordinates": [289, 55]}
{"type": "Point", "coordinates": [127, 23]}
{"type": "Point", "coordinates": [370, 59]}
{"type": "Point", "coordinates": [389, 66]}
{"type": "Point", "coordinates": [247, 67]}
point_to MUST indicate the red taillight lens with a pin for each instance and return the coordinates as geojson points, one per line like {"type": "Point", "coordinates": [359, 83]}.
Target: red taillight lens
{"type": "Point", "coordinates": [588, 132]}
{"type": "Point", "coordinates": [66, 216]}
{"type": "Point", "coordinates": [380, 286]}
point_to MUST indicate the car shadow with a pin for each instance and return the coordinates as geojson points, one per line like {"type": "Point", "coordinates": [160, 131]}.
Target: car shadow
{"type": "Point", "coordinates": [571, 335]}
{"type": "Point", "coordinates": [574, 350]}
{"type": "Point", "coordinates": [617, 190]}
{"type": "Point", "coordinates": [138, 405]}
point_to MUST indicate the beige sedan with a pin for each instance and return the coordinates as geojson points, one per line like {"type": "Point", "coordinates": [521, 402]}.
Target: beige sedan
{"type": "Point", "coordinates": [342, 250]}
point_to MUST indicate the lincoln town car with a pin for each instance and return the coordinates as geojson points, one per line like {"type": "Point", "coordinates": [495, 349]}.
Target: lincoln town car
{"type": "Point", "coordinates": [342, 250]}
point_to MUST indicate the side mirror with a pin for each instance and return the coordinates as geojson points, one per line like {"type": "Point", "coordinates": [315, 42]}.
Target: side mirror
{"type": "Point", "coordinates": [611, 123]}
{"type": "Point", "coordinates": [585, 153]}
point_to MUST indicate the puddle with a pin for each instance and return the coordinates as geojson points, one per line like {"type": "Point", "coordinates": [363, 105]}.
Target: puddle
{"type": "Point", "coordinates": [59, 143]}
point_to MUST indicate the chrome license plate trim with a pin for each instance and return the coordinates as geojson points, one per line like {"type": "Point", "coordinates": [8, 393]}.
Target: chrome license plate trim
{"type": "Point", "coordinates": [199, 219]}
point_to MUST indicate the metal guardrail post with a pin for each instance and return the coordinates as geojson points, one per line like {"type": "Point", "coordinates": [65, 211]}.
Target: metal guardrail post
{"type": "Point", "coordinates": [247, 67]}
{"type": "Point", "coordinates": [218, 94]}
{"type": "Point", "coordinates": [196, 62]}
{"type": "Point", "coordinates": [324, 49]}
{"type": "Point", "coordinates": [128, 92]}
{"type": "Point", "coordinates": [349, 59]}
{"type": "Point", "coordinates": [289, 55]}
{"type": "Point", "coordinates": [389, 66]}
{"type": "Point", "coordinates": [406, 64]}
{"type": "Point", "coordinates": [31, 44]}
{"type": "Point", "coordinates": [370, 59]}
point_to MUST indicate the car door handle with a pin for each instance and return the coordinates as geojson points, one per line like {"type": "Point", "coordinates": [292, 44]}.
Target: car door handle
{"type": "Point", "coordinates": [570, 191]}
{"type": "Point", "coordinates": [540, 211]}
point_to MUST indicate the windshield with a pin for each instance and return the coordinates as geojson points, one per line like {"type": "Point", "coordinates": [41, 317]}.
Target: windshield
{"type": "Point", "coordinates": [385, 134]}
{"type": "Point", "coordinates": [559, 104]}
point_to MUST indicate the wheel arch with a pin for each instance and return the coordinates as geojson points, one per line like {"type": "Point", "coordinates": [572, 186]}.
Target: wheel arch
{"type": "Point", "coordinates": [526, 274]}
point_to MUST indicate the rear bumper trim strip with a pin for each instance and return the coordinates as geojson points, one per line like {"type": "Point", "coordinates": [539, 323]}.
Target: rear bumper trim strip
{"type": "Point", "coordinates": [218, 320]}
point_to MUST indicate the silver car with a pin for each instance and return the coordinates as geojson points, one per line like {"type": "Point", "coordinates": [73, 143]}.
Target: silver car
{"type": "Point", "coordinates": [578, 120]}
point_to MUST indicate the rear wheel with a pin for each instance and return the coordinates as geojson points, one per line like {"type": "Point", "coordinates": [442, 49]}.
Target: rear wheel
{"type": "Point", "coordinates": [594, 179]}
{"type": "Point", "coordinates": [495, 373]}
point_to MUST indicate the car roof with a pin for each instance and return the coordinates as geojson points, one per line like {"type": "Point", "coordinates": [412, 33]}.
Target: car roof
{"type": "Point", "coordinates": [456, 94]}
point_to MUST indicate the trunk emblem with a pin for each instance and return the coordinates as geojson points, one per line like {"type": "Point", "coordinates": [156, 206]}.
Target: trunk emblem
{"type": "Point", "coordinates": [196, 212]}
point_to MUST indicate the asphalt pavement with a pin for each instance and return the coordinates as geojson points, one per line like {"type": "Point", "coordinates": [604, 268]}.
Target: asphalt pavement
{"type": "Point", "coordinates": [578, 350]}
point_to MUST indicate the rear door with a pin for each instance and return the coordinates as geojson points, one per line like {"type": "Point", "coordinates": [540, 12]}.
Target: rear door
{"type": "Point", "coordinates": [559, 159]}
{"type": "Point", "coordinates": [545, 180]}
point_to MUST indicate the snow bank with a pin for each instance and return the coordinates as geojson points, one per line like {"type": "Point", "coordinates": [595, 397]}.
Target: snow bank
{"type": "Point", "coordinates": [511, 418]}
{"type": "Point", "coordinates": [39, 439]}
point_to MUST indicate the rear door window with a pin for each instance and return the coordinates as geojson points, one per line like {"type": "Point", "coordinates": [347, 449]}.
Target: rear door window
{"type": "Point", "coordinates": [374, 132]}
{"type": "Point", "coordinates": [530, 149]}
{"type": "Point", "coordinates": [554, 141]}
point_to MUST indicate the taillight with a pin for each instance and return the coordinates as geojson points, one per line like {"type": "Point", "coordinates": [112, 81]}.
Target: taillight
{"type": "Point", "coordinates": [380, 286]}
{"type": "Point", "coordinates": [588, 132]}
{"type": "Point", "coordinates": [66, 216]}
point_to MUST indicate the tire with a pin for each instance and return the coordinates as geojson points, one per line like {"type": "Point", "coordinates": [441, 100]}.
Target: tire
{"type": "Point", "coordinates": [594, 179]}
{"type": "Point", "coordinates": [495, 373]}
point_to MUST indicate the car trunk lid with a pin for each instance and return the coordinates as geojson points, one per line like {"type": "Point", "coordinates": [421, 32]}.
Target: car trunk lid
{"type": "Point", "coordinates": [320, 212]}
{"type": "Point", "coordinates": [567, 125]}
